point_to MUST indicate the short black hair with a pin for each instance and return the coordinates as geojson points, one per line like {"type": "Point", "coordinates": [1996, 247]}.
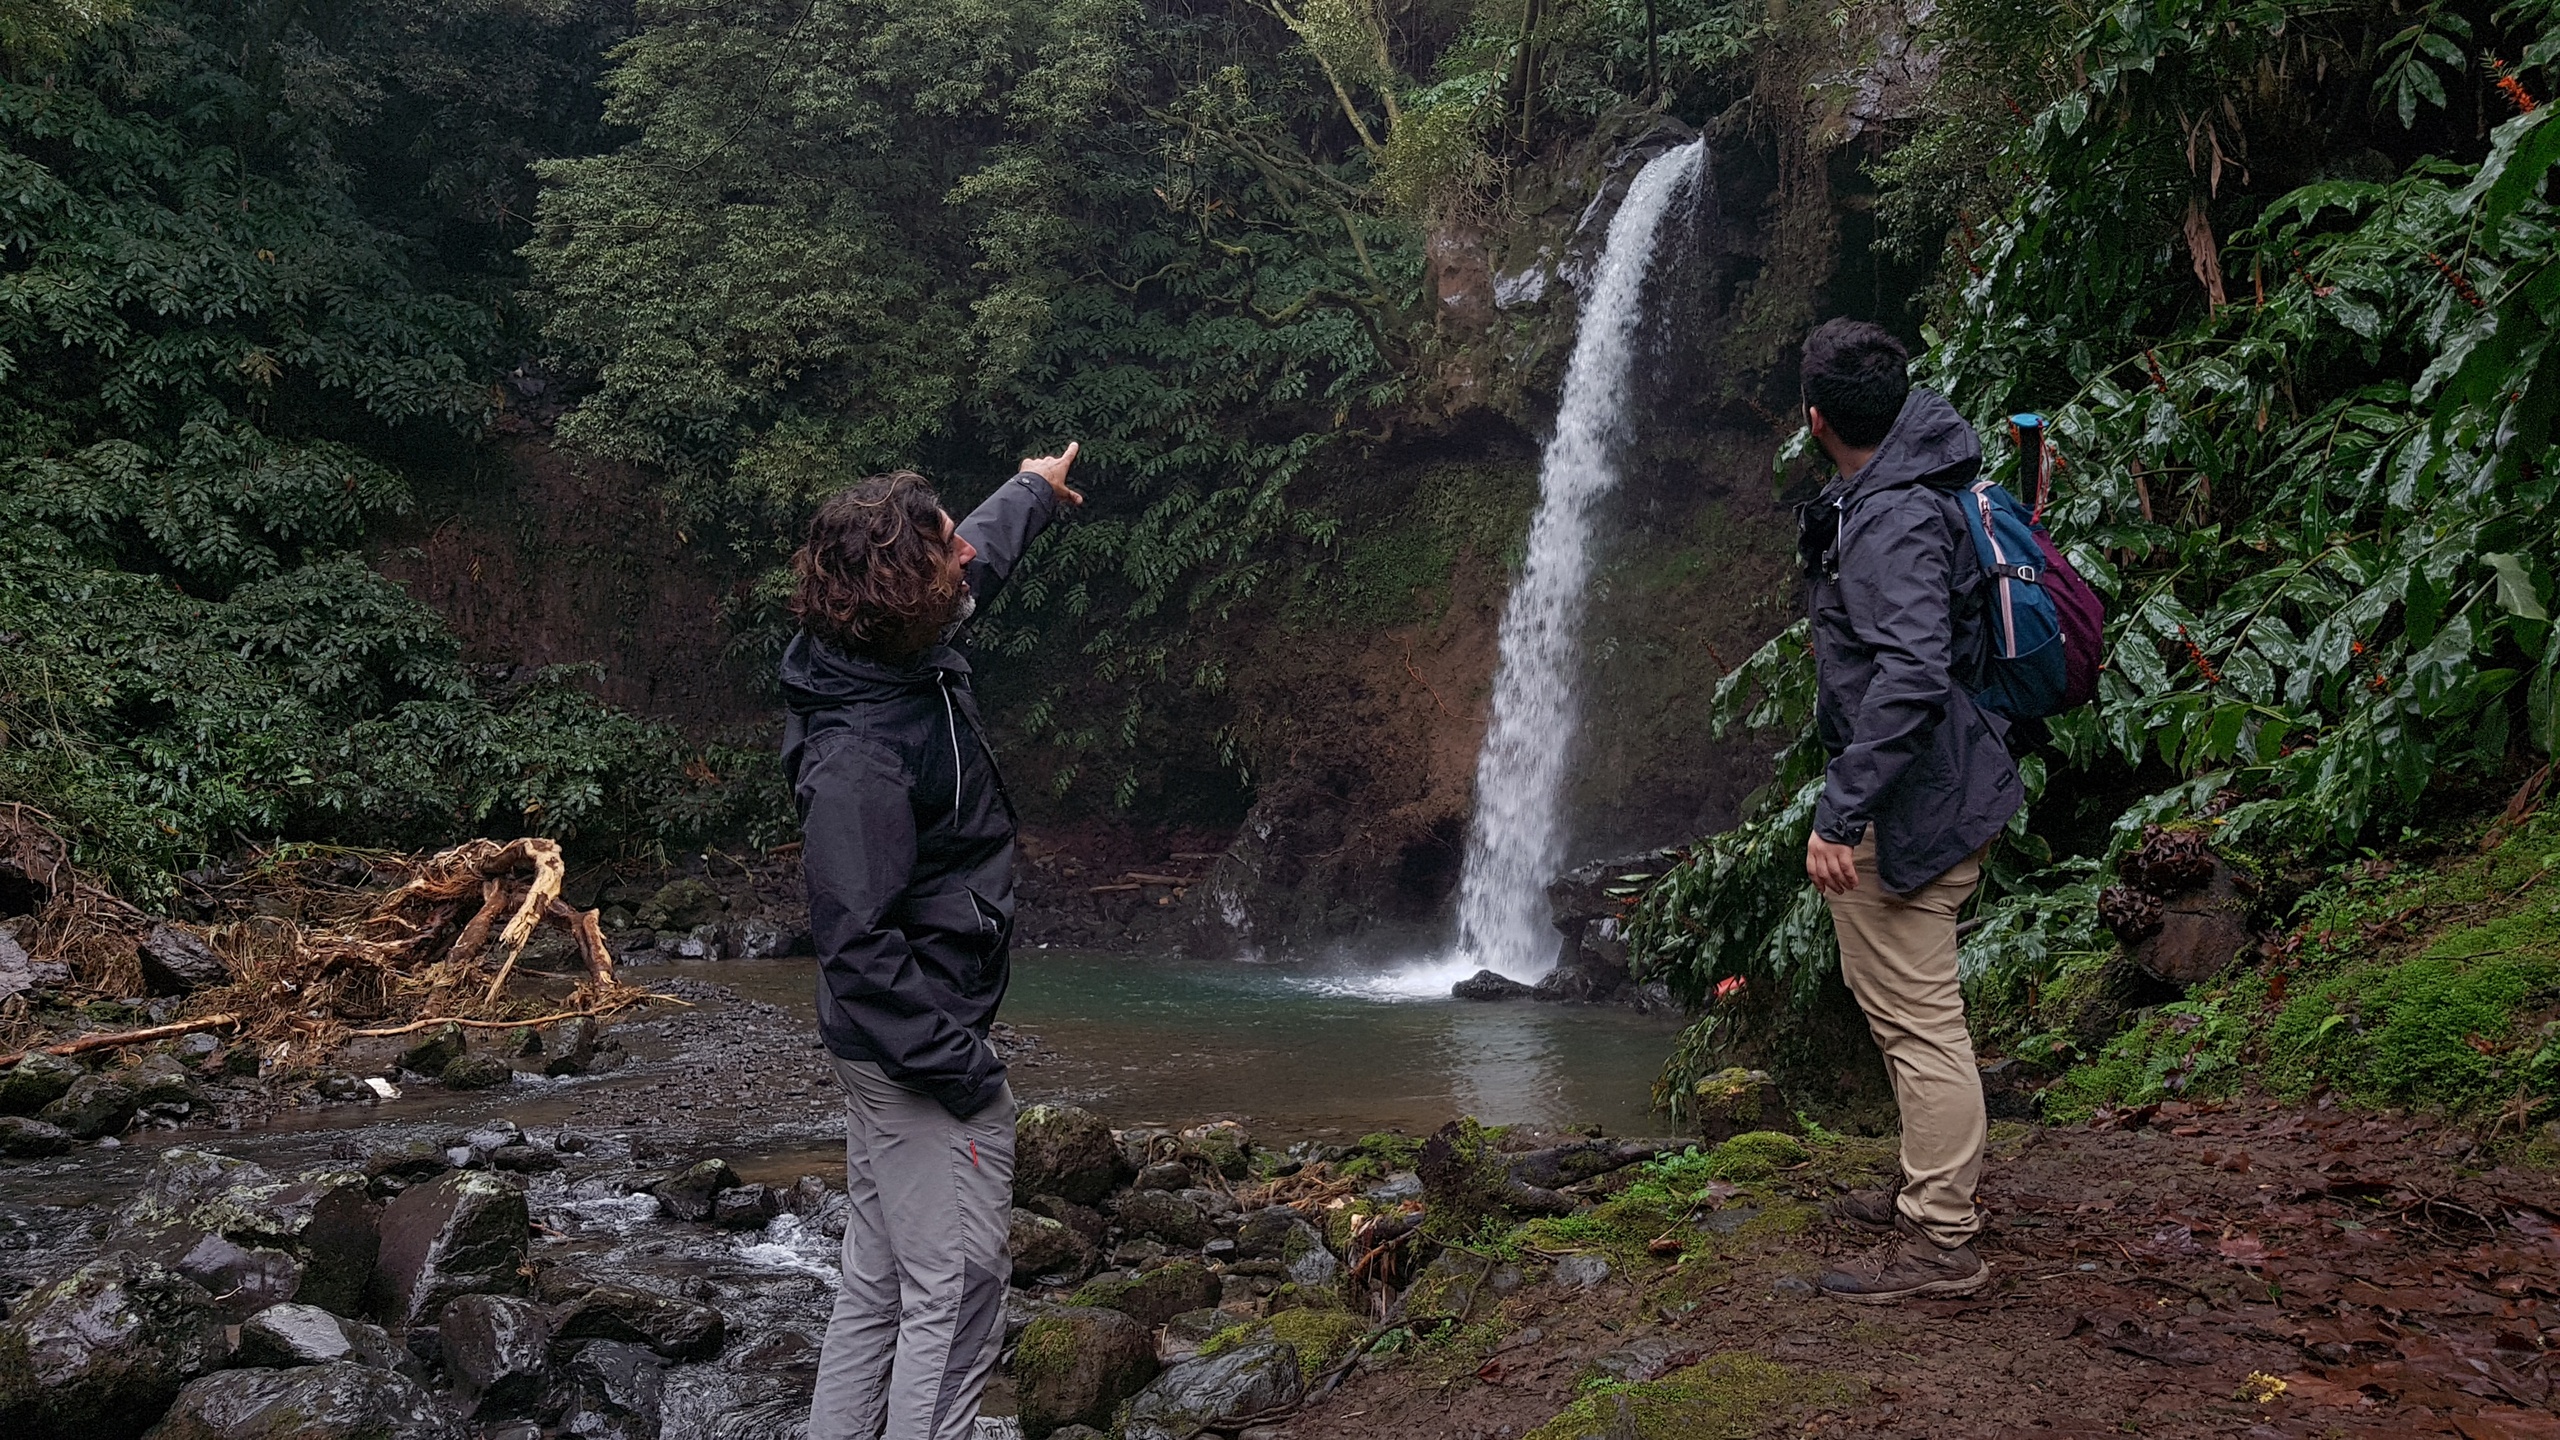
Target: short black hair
{"type": "Point", "coordinates": [1854, 374]}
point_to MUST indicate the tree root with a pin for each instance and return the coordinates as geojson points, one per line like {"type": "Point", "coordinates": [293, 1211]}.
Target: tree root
{"type": "Point", "coordinates": [465, 1021]}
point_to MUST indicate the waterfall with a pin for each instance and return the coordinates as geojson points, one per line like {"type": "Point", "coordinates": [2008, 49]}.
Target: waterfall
{"type": "Point", "coordinates": [1516, 842]}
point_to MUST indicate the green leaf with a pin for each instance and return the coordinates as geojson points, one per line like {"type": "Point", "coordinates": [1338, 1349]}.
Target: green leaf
{"type": "Point", "coordinates": [2516, 590]}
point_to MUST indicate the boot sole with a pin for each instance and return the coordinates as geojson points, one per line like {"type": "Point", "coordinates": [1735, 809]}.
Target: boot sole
{"type": "Point", "coordinates": [1972, 1284]}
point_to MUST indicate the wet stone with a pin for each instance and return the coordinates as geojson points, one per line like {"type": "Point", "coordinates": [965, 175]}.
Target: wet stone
{"type": "Point", "coordinates": [1064, 1150]}
{"type": "Point", "coordinates": [22, 1138]}
{"type": "Point", "coordinates": [178, 962]}
{"type": "Point", "coordinates": [244, 1279]}
{"type": "Point", "coordinates": [35, 1082]}
{"type": "Point", "coordinates": [233, 1225]}
{"type": "Point", "coordinates": [612, 1391]}
{"type": "Point", "coordinates": [1082, 1219]}
{"type": "Point", "coordinates": [476, 1072]}
{"type": "Point", "coordinates": [1580, 1272]}
{"type": "Point", "coordinates": [497, 1349]}
{"type": "Point", "coordinates": [1042, 1246]}
{"type": "Point", "coordinates": [675, 1328]}
{"type": "Point", "coordinates": [1075, 1366]}
{"type": "Point", "coordinates": [96, 1354]}
{"type": "Point", "coordinates": [95, 1105]}
{"type": "Point", "coordinates": [1217, 1393]}
{"type": "Point", "coordinates": [1166, 1175]}
{"type": "Point", "coordinates": [442, 1047]}
{"type": "Point", "coordinates": [1157, 1295]}
{"type": "Point", "coordinates": [282, 1336]}
{"type": "Point", "coordinates": [693, 1193]}
{"type": "Point", "coordinates": [746, 1207]}
{"type": "Point", "coordinates": [314, 1402]}
{"type": "Point", "coordinates": [462, 1234]}
{"type": "Point", "coordinates": [1168, 1218]}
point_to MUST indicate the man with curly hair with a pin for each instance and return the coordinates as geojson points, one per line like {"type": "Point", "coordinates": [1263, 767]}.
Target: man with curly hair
{"type": "Point", "coordinates": [908, 853]}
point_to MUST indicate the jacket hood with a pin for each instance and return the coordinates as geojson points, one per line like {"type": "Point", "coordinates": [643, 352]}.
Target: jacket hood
{"type": "Point", "coordinates": [1929, 444]}
{"type": "Point", "coordinates": [818, 676]}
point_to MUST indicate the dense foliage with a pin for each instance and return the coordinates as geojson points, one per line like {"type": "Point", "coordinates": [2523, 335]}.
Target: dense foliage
{"type": "Point", "coordinates": [2284, 281]}
{"type": "Point", "coordinates": [256, 261]}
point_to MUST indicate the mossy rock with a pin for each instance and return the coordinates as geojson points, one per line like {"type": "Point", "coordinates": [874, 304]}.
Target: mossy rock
{"type": "Point", "coordinates": [1447, 1289]}
{"type": "Point", "coordinates": [1293, 1296]}
{"type": "Point", "coordinates": [1724, 1397]}
{"type": "Point", "coordinates": [1321, 1337]}
{"type": "Point", "coordinates": [1156, 1296]}
{"type": "Point", "coordinates": [1075, 1366]}
{"type": "Point", "coordinates": [476, 1072]}
{"type": "Point", "coordinates": [1223, 1144]}
{"type": "Point", "coordinates": [1757, 1155]}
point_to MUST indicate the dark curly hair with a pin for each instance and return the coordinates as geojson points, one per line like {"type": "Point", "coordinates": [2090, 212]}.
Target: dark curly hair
{"type": "Point", "coordinates": [872, 578]}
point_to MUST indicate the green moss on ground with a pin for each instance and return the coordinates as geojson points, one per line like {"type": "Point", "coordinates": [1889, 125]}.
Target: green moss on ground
{"type": "Point", "coordinates": [1724, 1397]}
{"type": "Point", "coordinates": [1321, 1337]}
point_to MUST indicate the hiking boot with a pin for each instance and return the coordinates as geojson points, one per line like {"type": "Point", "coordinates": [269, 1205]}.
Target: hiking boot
{"type": "Point", "coordinates": [1909, 1268]}
{"type": "Point", "coordinates": [1867, 1209]}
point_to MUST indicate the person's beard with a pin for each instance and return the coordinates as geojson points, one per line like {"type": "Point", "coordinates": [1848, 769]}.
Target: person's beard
{"type": "Point", "coordinates": [961, 609]}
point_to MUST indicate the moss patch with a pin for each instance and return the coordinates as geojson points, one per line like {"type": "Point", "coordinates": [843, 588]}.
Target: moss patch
{"type": "Point", "coordinates": [1723, 1397]}
{"type": "Point", "coordinates": [1321, 1337]}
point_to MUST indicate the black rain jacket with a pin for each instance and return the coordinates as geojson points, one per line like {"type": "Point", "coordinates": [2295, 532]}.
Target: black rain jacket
{"type": "Point", "coordinates": [908, 839]}
{"type": "Point", "coordinates": [1899, 630]}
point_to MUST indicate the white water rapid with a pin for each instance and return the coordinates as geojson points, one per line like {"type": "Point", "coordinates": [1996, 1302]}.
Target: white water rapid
{"type": "Point", "coordinates": [1517, 840]}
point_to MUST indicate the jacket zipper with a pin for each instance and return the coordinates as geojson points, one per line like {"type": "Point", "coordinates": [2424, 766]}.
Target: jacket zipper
{"type": "Point", "coordinates": [951, 717]}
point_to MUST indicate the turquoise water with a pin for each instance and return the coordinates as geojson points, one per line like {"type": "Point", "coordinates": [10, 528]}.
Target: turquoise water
{"type": "Point", "coordinates": [1297, 1050]}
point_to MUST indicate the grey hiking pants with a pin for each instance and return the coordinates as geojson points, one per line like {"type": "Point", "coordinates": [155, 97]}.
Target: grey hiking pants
{"type": "Point", "coordinates": [920, 1316]}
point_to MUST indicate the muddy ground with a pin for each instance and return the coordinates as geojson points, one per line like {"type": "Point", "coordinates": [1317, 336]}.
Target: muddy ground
{"type": "Point", "coordinates": [2158, 1280]}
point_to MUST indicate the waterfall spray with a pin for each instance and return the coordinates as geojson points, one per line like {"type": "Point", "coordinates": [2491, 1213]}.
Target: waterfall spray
{"type": "Point", "coordinates": [1517, 839]}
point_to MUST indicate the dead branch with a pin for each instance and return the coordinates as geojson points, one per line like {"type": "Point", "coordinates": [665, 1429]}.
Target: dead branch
{"type": "Point", "coordinates": [466, 1022]}
{"type": "Point", "coordinates": [493, 897]}
{"type": "Point", "coordinates": [590, 933]}
{"type": "Point", "coordinates": [109, 1040]}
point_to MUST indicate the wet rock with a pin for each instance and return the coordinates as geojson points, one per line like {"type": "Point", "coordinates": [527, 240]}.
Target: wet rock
{"type": "Point", "coordinates": [1281, 1234]}
{"type": "Point", "coordinates": [462, 1234]}
{"type": "Point", "coordinates": [675, 1328]}
{"type": "Point", "coordinates": [1082, 1219]}
{"type": "Point", "coordinates": [314, 1402]}
{"type": "Point", "coordinates": [693, 1193]}
{"type": "Point", "coordinates": [178, 962]}
{"type": "Point", "coordinates": [497, 1349]}
{"type": "Point", "coordinates": [394, 1168]}
{"type": "Point", "coordinates": [24, 1139]}
{"type": "Point", "coordinates": [1074, 1366]}
{"type": "Point", "coordinates": [1220, 1392]}
{"type": "Point", "coordinates": [35, 1082]}
{"type": "Point", "coordinates": [476, 1072]}
{"type": "Point", "coordinates": [573, 1047]}
{"type": "Point", "coordinates": [95, 1105]}
{"type": "Point", "coordinates": [1735, 1101]}
{"type": "Point", "coordinates": [2201, 931]}
{"type": "Point", "coordinates": [96, 1355]}
{"type": "Point", "coordinates": [1486, 985]}
{"type": "Point", "coordinates": [612, 1391]}
{"type": "Point", "coordinates": [1078, 1432]}
{"type": "Point", "coordinates": [1160, 1216]}
{"type": "Point", "coordinates": [1184, 1334]}
{"type": "Point", "coordinates": [1156, 1296]}
{"type": "Point", "coordinates": [1064, 1150]}
{"type": "Point", "coordinates": [1451, 1288]}
{"type": "Point", "coordinates": [1580, 1272]}
{"type": "Point", "coordinates": [1164, 1175]}
{"type": "Point", "coordinates": [282, 1336]}
{"type": "Point", "coordinates": [232, 1225]}
{"type": "Point", "coordinates": [763, 939]}
{"type": "Point", "coordinates": [746, 1207]}
{"type": "Point", "coordinates": [1042, 1246]}
{"type": "Point", "coordinates": [1220, 1145]}
{"type": "Point", "coordinates": [681, 904]}
{"type": "Point", "coordinates": [525, 1159]}
{"type": "Point", "coordinates": [442, 1047]}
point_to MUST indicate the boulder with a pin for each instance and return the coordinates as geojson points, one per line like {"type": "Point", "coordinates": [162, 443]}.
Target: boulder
{"type": "Point", "coordinates": [1219, 1392]}
{"type": "Point", "coordinates": [1074, 1366]}
{"type": "Point", "coordinates": [442, 1047]}
{"type": "Point", "coordinates": [1164, 1175]}
{"type": "Point", "coordinates": [573, 1047]}
{"type": "Point", "coordinates": [611, 1391]}
{"type": "Point", "coordinates": [675, 1328]}
{"type": "Point", "coordinates": [497, 1348]}
{"type": "Point", "coordinates": [1221, 1145]}
{"type": "Point", "coordinates": [1064, 1150]}
{"type": "Point", "coordinates": [745, 1207]}
{"type": "Point", "coordinates": [283, 1336]}
{"type": "Point", "coordinates": [196, 1208]}
{"type": "Point", "coordinates": [681, 904]}
{"type": "Point", "coordinates": [462, 1234]}
{"type": "Point", "coordinates": [1734, 1101]}
{"type": "Point", "coordinates": [178, 962]}
{"type": "Point", "coordinates": [394, 1168]}
{"type": "Point", "coordinates": [97, 1355]}
{"type": "Point", "coordinates": [1082, 1219]}
{"type": "Point", "coordinates": [95, 1105]}
{"type": "Point", "coordinates": [1169, 1218]}
{"type": "Point", "coordinates": [313, 1402]}
{"type": "Point", "coordinates": [243, 1279]}
{"type": "Point", "coordinates": [476, 1072]}
{"type": "Point", "coordinates": [1583, 894]}
{"type": "Point", "coordinates": [24, 1139]}
{"type": "Point", "coordinates": [1486, 985]}
{"type": "Point", "coordinates": [1280, 1233]}
{"type": "Point", "coordinates": [2201, 931]}
{"type": "Point", "coordinates": [693, 1192]}
{"type": "Point", "coordinates": [36, 1081]}
{"type": "Point", "coordinates": [1042, 1246]}
{"type": "Point", "coordinates": [1155, 1296]}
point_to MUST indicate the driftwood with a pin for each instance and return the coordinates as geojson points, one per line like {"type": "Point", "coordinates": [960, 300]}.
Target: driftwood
{"type": "Point", "coordinates": [109, 1040]}
{"type": "Point", "coordinates": [468, 1023]}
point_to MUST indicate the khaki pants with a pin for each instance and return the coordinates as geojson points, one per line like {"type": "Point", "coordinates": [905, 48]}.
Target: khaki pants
{"type": "Point", "coordinates": [1898, 955]}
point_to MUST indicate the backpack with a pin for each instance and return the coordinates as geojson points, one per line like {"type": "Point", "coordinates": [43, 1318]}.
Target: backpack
{"type": "Point", "coordinates": [2044, 620]}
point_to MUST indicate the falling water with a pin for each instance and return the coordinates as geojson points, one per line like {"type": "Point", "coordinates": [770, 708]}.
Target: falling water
{"type": "Point", "coordinates": [1517, 839]}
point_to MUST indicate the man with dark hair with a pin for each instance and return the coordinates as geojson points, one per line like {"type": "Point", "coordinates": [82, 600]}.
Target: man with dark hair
{"type": "Point", "coordinates": [908, 855]}
{"type": "Point", "coordinates": [1918, 784]}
